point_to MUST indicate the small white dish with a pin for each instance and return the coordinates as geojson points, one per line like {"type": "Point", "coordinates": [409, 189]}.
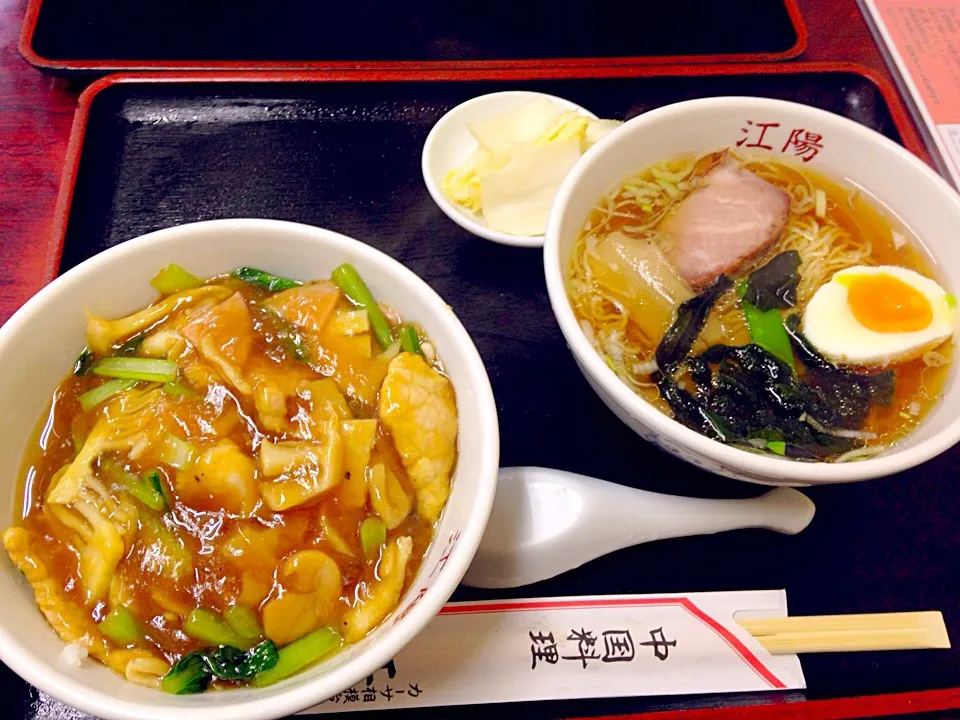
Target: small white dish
{"type": "Point", "coordinates": [450, 143]}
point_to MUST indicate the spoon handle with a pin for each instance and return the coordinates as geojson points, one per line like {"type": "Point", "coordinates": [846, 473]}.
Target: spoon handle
{"type": "Point", "coordinates": [782, 510]}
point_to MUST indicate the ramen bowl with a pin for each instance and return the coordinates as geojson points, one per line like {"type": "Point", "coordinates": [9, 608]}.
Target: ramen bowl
{"type": "Point", "coordinates": [37, 346]}
{"type": "Point", "coordinates": [903, 187]}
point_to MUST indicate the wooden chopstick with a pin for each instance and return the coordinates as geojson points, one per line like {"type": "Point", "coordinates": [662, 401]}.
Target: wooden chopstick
{"type": "Point", "coordinates": [849, 633]}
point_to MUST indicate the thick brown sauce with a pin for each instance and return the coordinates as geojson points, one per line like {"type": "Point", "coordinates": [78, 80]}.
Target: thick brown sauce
{"type": "Point", "coordinates": [217, 580]}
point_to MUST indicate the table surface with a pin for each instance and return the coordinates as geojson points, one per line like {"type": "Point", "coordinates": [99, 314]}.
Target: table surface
{"type": "Point", "coordinates": [36, 112]}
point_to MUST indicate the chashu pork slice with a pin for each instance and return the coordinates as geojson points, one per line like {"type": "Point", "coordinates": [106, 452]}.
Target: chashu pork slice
{"type": "Point", "coordinates": [732, 217]}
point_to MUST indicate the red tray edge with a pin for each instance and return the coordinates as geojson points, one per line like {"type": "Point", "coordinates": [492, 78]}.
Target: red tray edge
{"type": "Point", "coordinates": [25, 47]}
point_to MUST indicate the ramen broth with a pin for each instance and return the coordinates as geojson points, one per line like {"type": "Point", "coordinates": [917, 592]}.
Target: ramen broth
{"type": "Point", "coordinates": [861, 235]}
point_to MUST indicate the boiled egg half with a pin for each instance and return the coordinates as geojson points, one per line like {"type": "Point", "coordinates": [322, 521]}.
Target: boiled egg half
{"type": "Point", "coordinates": [878, 316]}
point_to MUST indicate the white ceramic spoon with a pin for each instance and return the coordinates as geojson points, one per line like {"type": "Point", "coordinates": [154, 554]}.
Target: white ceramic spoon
{"type": "Point", "coordinates": [545, 522]}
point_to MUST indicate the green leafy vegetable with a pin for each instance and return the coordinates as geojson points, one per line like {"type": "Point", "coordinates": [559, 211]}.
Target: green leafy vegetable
{"type": "Point", "coordinates": [174, 278]}
{"type": "Point", "coordinates": [409, 340]}
{"type": "Point", "coordinates": [83, 363]}
{"type": "Point", "coordinates": [767, 330]}
{"type": "Point", "coordinates": [142, 488]}
{"type": "Point", "coordinates": [243, 621]}
{"type": "Point", "coordinates": [207, 626]}
{"type": "Point", "coordinates": [373, 534]}
{"type": "Point", "coordinates": [193, 672]}
{"type": "Point", "coordinates": [229, 663]}
{"type": "Point", "coordinates": [91, 398]}
{"type": "Point", "coordinates": [264, 279]}
{"type": "Point", "coordinates": [121, 626]}
{"type": "Point", "coordinates": [775, 284]}
{"type": "Point", "coordinates": [300, 654]}
{"type": "Point", "coordinates": [137, 368]}
{"type": "Point", "coordinates": [777, 446]}
{"type": "Point", "coordinates": [352, 285]}
{"type": "Point", "coordinates": [691, 315]}
{"type": "Point", "coordinates": [188, 675]}
{"type": "Point", "coordinates": [130, 346]}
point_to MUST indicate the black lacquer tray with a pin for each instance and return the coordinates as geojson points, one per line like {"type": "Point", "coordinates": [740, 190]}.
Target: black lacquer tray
{"type": "Point", "coordinates": [346, 155]}
{"type": "Point", "coordinates": [103, 35]}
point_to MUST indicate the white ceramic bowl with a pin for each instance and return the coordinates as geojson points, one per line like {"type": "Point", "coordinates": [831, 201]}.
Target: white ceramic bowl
{"type": "Point", "coordinates": [450, 143]}
{"type": "Point", "coordinates": [38, 345]}
{"type": "Point", "coordinates": [908, 189]}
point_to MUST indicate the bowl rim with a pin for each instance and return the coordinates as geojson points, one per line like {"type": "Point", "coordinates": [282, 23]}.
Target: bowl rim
{"type": "Point", "coordinates": [437, 133]}
{"type": "Point", "coordinates": [299, 696]}
{"type": "Point", "coordinates": [774, 469]}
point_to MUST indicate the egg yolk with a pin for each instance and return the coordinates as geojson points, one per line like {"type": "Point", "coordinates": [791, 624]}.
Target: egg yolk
{"type": "Point", "coordinates": [884, 303]}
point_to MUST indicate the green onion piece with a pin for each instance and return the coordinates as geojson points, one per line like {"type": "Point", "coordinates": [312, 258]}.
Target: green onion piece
{"type": "Point", "coordinates": [121, 626]}
{"type": "Point", "coordinates": [300, 654]}
{"type": "Point", "coordinates": [373, 534]}
{"type": "Point", "coordinates": [146, 493]}
{"type": "Point", "coordinates": [91, 398]}
{"type": "Point", "coordinates": [355, 289]}
{"type": "Point", "coordinates": [176, 452]}
{"type": "Point", "coordinates": [264, 279]}
{"type": "Point", "coordinates": [777, 446]}
{"type": "Point", "coordinates": [174, 278]}
{"type": "Point", "coordinates": [189, 675]}
{"type": "Point", "coordinates": [243, 621]}
{"type": "Point", "coordinates": [767, 330]}
{"type": "Point", "coordinates": [142, 488]}
{"type": "Point", "coordinates": [207, 626]}
{"type": "Point", "coordinates": [409, 340]}
{"type": "Point", "coordinates": [175, 388]}
{"type": "Point", "coordinates": [950, 299]}
{"type": "Point", "coordinates": [83, 362]}
{"type": "Point", "coordinates": [153, 480]}
{"type": "Point", "coordinates": [137, 368]}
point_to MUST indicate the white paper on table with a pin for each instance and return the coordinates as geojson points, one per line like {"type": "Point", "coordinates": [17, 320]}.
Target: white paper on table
{"type": "Point", "coordinates": [921, 39]}
{"type": "Point", "coordinates": [580, 647]}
